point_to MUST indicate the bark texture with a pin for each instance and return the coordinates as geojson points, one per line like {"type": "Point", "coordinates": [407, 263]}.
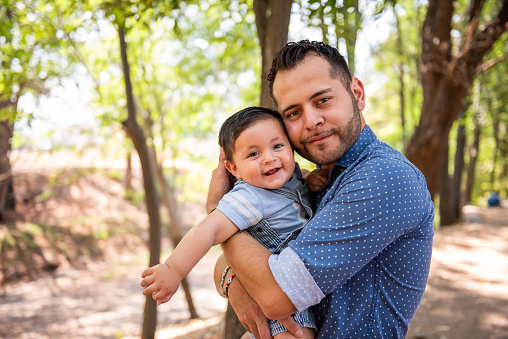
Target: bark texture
{"type": "Point", "coordinates": [7, 202]}
{"type": "Point", "coordinates": [272, 22]}
{"type": "Point", "coordinates": [447, 78]}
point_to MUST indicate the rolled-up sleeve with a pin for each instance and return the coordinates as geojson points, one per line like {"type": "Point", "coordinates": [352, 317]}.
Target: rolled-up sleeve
{"type": "Point", "coordinates": [294, 279]}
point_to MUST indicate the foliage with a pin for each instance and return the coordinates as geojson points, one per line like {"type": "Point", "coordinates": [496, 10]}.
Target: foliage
{"type": "Point", "coordinates": [191, 67]}
{"type": "Point", "coordinates": [339, 22]}
{"type": "Point", "coordinates": [493, 107]}
{"type": "Point", "coordinates": [35, 51]}
{"type": "Point", "coordinates": [193, 63]}
{"type": "Point", "coordinates": [385, 103]}
{"type": "Point", "coordinates": [389, 65]}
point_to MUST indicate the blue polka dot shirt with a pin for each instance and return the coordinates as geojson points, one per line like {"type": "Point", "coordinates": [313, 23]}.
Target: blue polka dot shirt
{"type": "Point", "coordinates": [363, 259]}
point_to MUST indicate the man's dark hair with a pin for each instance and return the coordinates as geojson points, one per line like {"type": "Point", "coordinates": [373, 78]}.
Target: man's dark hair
{"type": "Point", "coordinates": [294, 53]}
{"type": "Point", "coordinates": [239, 122]}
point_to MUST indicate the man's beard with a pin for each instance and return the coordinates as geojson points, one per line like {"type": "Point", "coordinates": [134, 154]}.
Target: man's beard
{"type": "Point", "coordinates": [346, 139]}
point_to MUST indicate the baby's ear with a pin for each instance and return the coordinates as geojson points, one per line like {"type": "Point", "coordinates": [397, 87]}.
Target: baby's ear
{"type": "Point", "coordinates": [231, 167]}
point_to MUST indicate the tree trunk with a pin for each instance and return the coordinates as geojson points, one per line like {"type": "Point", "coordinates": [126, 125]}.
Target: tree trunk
{"type": "Point", "coordinates": [128, 172]}
{"type": "Point", "coordinates": [503, 156]}
{"type": "Point", "coordinates": [495, 151]}
{"type": "Point", "coordinates": [473, 156]}
{"type": "Point", "coordinates": [176, 226]}
{"type": "Point", "coordinates": [446, 80]}
{"type": "Point", "coordinates": [272, 22]}
{"type": "Point", "coordinates": [445, 193]}
{"type": "Point", "coordinates": [134, 131]}
{"type": "Point", "coordinates": [322, 25]}
{"type": "Point", "coordinates": [459, 167]}
{"type": "Point", "coordinates": [168, 197]}
{"type": "Point", "coordinates": [400, 53]}
{"type": "Point", "coordinates": [233, 332]}
{"type": "Point", "coordinates": [7, 201]}
{"type": "Point", "coordinates": [351, 28]}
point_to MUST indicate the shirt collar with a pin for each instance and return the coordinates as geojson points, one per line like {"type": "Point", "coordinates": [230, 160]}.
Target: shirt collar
{"type": "Point", "coordinates": [366, 138]}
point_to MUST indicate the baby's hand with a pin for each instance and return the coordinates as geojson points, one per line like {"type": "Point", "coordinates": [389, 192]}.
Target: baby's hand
{"type": "Point", "coordinates": [161, 281]}
{"type": "Point", "coordinates": [317, 179]}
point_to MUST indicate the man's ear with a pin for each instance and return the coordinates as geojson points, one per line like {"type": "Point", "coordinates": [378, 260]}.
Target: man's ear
{"type": "Point", "coordinates": [359, 92]}
{"type": "Point", "coordinates": [231, 167]}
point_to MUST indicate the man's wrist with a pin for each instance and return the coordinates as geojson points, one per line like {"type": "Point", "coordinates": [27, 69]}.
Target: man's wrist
{"type": "Point", "coordinates": [223, 280]}
{"type": "Point", "coordinates": [228, 279]}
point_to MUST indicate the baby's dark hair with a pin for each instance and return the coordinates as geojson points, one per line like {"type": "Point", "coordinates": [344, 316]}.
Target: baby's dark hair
{"type": "Point", "coordinates": [239, 122]}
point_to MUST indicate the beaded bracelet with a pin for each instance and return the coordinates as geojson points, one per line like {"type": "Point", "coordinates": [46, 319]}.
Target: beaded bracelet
{"type": "Point", "coordinates": [229, 283]}
{"type": "Point", "coordinates": [222, 281]}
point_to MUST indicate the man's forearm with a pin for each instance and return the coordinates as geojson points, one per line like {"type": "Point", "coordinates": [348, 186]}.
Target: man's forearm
{"type": "Point", "coordinates": [249, 260]}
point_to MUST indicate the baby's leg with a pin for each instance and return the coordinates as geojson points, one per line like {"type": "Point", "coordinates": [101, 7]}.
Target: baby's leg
{"type": "Point", "coordinates": [308, 333]}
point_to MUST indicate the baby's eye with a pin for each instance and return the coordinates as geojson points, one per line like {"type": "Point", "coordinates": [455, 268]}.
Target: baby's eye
{"type": "Point", "coordinates": [252, 154]}
{"type": "Point", "coordinates": [278, 146]}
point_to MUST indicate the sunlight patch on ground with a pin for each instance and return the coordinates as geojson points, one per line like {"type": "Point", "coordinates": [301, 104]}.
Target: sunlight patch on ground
{"type": "Point", "coordinates": [193, 325]}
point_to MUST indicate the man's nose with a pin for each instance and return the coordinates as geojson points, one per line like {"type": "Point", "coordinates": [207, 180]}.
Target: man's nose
{"type": "Point", "coordinates": [313, 119]}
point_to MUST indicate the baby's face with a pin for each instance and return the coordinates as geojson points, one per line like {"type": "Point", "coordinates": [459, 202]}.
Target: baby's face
{"type": "Point", "coordinates": [263, 156]}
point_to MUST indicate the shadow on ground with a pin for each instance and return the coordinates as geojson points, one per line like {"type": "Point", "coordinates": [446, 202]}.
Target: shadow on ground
{"type": "Point", "coordinates": [466, 295]}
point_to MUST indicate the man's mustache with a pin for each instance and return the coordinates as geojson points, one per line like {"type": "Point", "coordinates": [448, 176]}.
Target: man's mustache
{"type": "Point", "coordinates": [318, 134]}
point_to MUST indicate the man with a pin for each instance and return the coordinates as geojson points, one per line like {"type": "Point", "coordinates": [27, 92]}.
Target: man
{"type": "Point", "coordinates": [363, 259]}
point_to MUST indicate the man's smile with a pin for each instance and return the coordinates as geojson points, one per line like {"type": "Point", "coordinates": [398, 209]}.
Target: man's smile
{"type": "Point", "coordinates": [317, 138]}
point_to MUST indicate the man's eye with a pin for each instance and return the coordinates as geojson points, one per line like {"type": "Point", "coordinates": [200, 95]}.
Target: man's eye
{"type": "Point", "coordinates": [253, 154]}
{"type": "Point", "coordinates": [323, 100]}
{"type": "Point", "coordinates": [292, 114]}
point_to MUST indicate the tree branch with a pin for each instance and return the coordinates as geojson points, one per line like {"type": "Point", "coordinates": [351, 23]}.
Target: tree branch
{"type": "Point", "coordinates": [78, 55]}
{"type": "Point", "coordinates": [436, 42]}
{"type": "Point", "coordinates": [491, 63]}
{"type": "Point", "coordinates": [465, 48]}
{"type": "Point", "coordinates": [475, 8]}
{"type": "Point", "coordinates": [473, 50]}
{"type": "Point", "coordinates": [5, 103]}
{"type": "Point", "coordinates": [486, 38]}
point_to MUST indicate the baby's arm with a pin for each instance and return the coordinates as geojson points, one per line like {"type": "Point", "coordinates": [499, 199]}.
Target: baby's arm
{"type": "Point", "coordinates": [317, 179]}
{"type": "Point", "coordinates": [162, 280]}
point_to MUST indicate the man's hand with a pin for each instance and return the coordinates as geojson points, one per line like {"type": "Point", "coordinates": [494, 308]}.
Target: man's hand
{"type": "Point", "coordinates": [292, 326]}
{"type": "Point", "coordinates": [222, 181]}
{"type": "Point", "coordinates": [251, 316]}
{"type": "Point", "coordinates": [161, 281]}
{"type": "Point", "coordinates": [248, 312]}
{"type": "Point", "coordinates": [317, 179]}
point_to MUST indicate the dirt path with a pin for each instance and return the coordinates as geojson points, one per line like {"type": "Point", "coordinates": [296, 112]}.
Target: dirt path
{"type": "Point", "coordinates": [467, 294]}
{"type": "Point", "coordinates": [104, 301]}
{"type": "Point", "coordinates": [466, 297]}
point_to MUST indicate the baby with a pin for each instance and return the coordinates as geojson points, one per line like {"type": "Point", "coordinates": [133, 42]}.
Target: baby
{"type": "Point", "coordinates": [270, 200]}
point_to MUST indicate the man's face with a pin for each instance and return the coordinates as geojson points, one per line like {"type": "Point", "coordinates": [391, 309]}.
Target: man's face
{"type": "Point", "coordinates": [322, 118]}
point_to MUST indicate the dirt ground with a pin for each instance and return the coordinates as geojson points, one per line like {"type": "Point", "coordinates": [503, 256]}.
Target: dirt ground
{"type": "Point", "coordinates": [467, 294]}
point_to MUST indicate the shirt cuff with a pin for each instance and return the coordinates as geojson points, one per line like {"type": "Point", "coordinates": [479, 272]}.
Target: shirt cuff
{"type": "Point", "coordinates": [294, 279]}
